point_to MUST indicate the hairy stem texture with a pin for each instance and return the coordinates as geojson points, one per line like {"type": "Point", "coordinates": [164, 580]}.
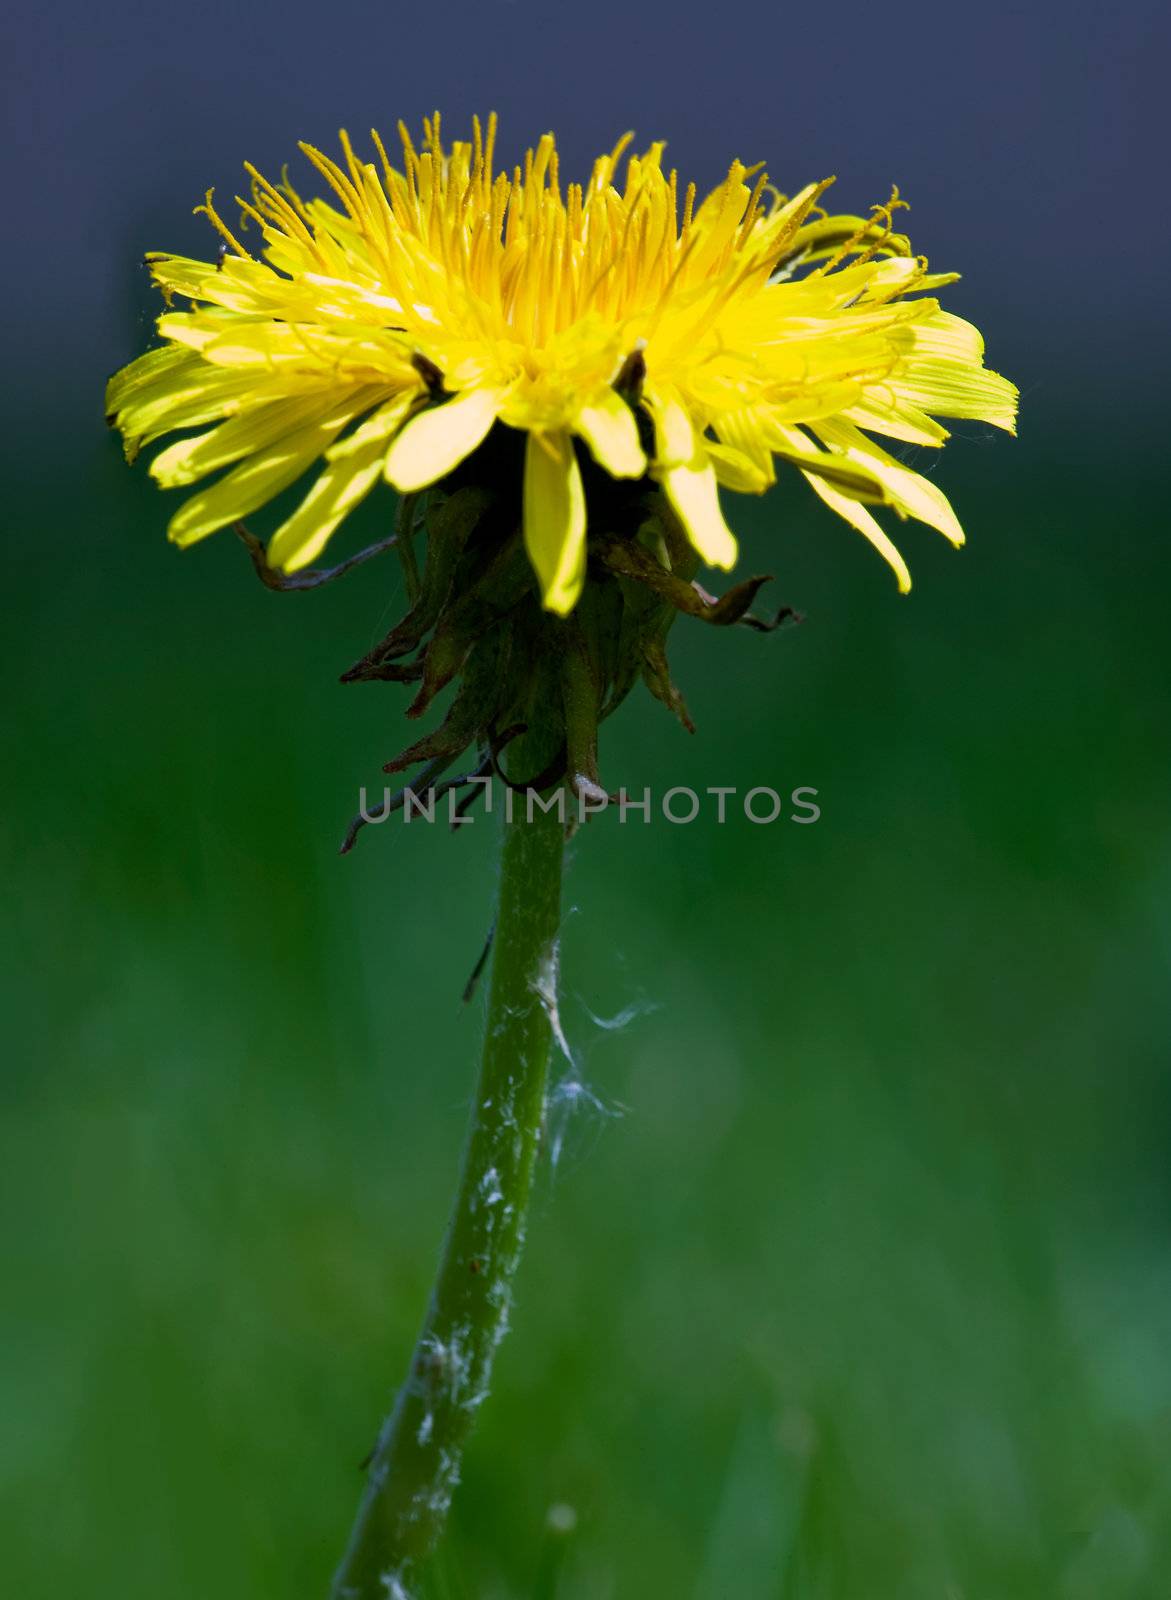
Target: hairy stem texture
{"type": "Point", "coordinates": [416, 1463]}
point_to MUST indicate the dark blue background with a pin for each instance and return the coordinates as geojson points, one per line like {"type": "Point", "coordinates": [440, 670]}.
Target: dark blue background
{"type": "Point", "coordinates": [1028, 138]}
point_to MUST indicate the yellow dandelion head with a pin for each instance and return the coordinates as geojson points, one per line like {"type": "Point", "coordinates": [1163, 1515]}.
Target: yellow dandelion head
{"type": "Point", "coordinates": [386, 329]}
{"type": "Point", "coordinates": [559, 378]}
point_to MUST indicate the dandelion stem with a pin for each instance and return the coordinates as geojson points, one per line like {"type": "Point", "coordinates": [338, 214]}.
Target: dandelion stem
{"type": "Point", "coordinates": [416, 1463]}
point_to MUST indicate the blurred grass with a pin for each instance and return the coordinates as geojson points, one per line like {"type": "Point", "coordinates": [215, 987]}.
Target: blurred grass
{"type": "Point", "coordinates": [867, 1291]}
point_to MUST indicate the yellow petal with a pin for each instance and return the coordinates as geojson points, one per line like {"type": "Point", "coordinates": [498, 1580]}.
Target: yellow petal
{"type": "Point", "coordinates": [905, 421]}
{"type": "Point", "coordinates": [855, 478]}
{"type": "Point", "coordinates": [191, 459]}
{"type": "Point", "coordinates": [168, 388]}
{"type": "Point", "coordinates": [947, 337]}
{"type": "Point", "coordinates": [438, 439]}
{"type": "Point", "coordinates": [956, 390]}
{"type": "Point", "coordinates": [674, 432]}
{"type": "Point", "coordinates": [609, 428]}
{"type": "Point", "coordinates": [254, 482]}
{"type": "Point", "coordinates": [194, 330]}
{"type": "Point", "coordinates": [692, 491]}
{"type": "Point", "coordinates": [866, 525]}
{"type": "Point", "coordinates": [249, 287]}
{"type": "Point", "coordinates": [155, 368]}
{"type": "Point", "coordinates": [355, 465]}
{"type": "Point", "coordinates": [735, 469]}
{"type": "Point", "coordinates": [554, 519]}
{"type": "Point", "coordinates": [909, 492]}
{"type": "Point", "coordinates": [686, 473]}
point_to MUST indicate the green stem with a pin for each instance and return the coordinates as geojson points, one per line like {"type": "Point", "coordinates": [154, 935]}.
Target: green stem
{"type": "Point", "coordinates": [415, 1466]}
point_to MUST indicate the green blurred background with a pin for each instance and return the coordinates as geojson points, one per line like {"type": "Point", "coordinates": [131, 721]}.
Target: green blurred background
{"type": "Point", "coordinates": [853, 1279]}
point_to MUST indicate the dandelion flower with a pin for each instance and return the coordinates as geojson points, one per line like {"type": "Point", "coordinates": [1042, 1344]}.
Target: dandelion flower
{"type": "Point", "coordinates": [383, 333]}
{"type": "Point", "coordinates": [560, 380]}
